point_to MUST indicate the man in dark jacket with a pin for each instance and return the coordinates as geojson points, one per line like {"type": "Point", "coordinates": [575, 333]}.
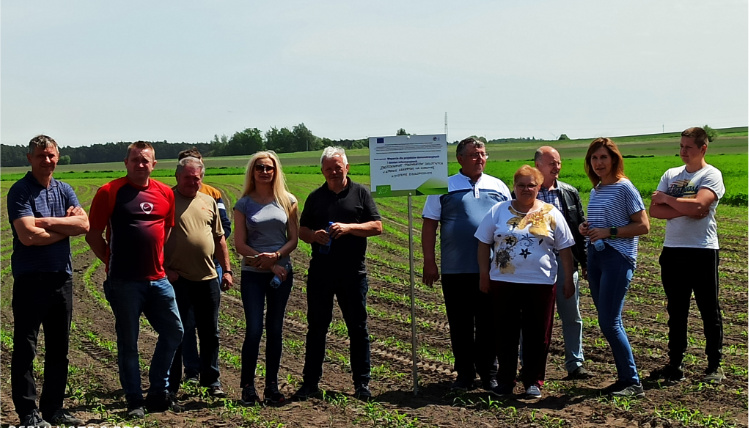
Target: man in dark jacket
{"type": "Point", "coordinates": [567, 199]}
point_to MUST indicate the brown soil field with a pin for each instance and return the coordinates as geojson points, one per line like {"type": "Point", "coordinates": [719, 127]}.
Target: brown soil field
{"type": "Point", "coordinates": [95, 395]}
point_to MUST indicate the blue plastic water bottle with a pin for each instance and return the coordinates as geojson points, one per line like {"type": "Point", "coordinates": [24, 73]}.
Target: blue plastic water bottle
{"type": "Point", "coordinates": [325, 249]}
{"type": "Point", "coordinates": [599, 245]}
{"type": "Point", "coordinates": [276, 281]}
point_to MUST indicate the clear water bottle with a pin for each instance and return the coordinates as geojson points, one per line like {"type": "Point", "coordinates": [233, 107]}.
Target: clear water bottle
{"type": "Point", "coordinates": [276, 281]}
{"type": "Point", "coordinates": [599, 245]}
{"type": "Point", "coordinates": [325, 249]}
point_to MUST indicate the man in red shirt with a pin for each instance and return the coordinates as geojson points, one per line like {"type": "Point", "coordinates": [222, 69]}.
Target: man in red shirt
{"type": "Point", "coordinates": [130, 219]}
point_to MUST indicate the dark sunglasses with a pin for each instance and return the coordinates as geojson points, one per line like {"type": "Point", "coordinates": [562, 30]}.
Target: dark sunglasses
{"type": "Point", "coordinates": [265, 168]}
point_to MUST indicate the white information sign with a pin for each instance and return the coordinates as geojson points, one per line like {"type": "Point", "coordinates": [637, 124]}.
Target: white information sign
{"type": "Point", "coordinates": [408, 164]}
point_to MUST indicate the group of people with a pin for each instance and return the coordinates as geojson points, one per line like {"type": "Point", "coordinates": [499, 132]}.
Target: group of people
{"type": "Point", "coordinates": [166, 257]}
{"type": "Point", "coordinates": [527, 249]}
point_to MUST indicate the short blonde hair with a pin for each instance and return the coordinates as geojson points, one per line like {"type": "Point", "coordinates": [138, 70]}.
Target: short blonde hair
{"type": "Point", "coordinates": [527, 170]}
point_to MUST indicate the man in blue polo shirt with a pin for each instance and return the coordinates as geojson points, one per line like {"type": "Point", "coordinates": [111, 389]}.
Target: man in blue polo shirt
{"type": "Point", "coordinates": [43, 214]}
{"type": "Point", "coordinates": [471, 194]}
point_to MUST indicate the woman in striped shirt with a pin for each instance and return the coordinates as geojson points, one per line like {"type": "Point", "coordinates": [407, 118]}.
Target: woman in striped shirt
{"type": "Point", "coordinates": [616, 217]}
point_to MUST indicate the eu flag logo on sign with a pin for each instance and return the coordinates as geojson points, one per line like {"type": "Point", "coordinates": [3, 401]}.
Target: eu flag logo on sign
{"type": "Point", "coordinates": [380, 140]}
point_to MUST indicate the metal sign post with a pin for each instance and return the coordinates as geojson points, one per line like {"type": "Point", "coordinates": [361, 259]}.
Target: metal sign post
{"type": "Point", "coordinates": [409, 165]}
{"type": "Point", "coordinates": [414, 340]}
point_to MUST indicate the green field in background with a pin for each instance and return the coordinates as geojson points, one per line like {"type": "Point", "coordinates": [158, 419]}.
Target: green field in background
{"type": "Point", "coordinates": [649, 157]}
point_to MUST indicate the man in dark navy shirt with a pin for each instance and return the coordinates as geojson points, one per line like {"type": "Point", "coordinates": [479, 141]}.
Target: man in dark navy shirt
{"type": "Point", "coordinates": [336, 220]}
{"type": "Point", "coordinates": [43, 214]}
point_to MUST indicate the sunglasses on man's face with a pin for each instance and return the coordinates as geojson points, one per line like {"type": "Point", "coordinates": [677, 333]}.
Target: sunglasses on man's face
{"type": "Point", "coordinates": [265, 168]}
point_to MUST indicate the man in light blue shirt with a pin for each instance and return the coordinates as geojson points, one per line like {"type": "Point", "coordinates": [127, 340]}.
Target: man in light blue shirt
{"type": "Point", "coordinates": [471, 194]}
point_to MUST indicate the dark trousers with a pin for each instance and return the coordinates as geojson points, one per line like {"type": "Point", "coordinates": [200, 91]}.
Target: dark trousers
{"type": "Point", "coordinates": [683, 271]}
{"type": "Point", "coordinates": [203, 298]}
{"type": "Point", "coordinates": [351, 292]}
{"type": "Point", "coordinates": [190, 356]}
{"type": "Point", "coordinates": [526, 307]}
{"type": "Point", "coordinates": [40, 299]}
{"type": "Point", "coordinates": [256, 291]}
{"type": "Point", "coordinates": [469, 313]}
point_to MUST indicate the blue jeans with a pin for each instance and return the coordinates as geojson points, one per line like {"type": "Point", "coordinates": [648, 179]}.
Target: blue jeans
{"type": "Point", "coordinates": [256, 290]}
{"type": "Point", "coordinates": [154, 299]}
{"type": "Point", "coordinates": [609, 275]}
{"type": "Point", "coordinates": [202, 298]}
{"type": "Point", "coordinates": [351, 292]}
{"type": "Point", "coordinates": [572, 322]}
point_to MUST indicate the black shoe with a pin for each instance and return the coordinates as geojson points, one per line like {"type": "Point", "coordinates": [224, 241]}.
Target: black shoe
{"type": "Point", "coordinates": [714, 374]}
{"type": "Point", "coordinates": [216, 391]}
{"type": "Point", "coordinates": [34, 419]}
{"type": "Point", "coordinates": [135, 409]}
{"type": "Point", "coordinates": [489, 384]}
{"type": "Point", "coordinates": [249, 396]}
{"type": "Point", "coordinates": [461, 385]}
{"type": "Point", "coordinates": [162, 401]}
{"type": "Point", "coordinates": [616, 386]}
{"type": "Point", "coordinates": [63, 417]}
{"type": "Point", "coordinates": [306, 391]}
{"type": "Point", "coordinates": [136, 412]}
{"type": "Point", "coordinates": [669, 373]}
{"type": "Point", "coordinates": [362, 392]}
{"type": "Point", "coordinates": [272, 396]}
{"type": "Point", "coordinates": [191, 379]}
{"type": "Point", "coordinates": [503, 390]}
{"type": "Point", "coordinates": [579, 373]}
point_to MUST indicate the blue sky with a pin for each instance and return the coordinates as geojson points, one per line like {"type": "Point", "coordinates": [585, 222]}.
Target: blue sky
{"type": "Point", "coordinates": [85, 71]}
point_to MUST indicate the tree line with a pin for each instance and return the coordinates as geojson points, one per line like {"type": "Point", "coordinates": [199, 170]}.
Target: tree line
{"type": "Point", "coordinates": [281, 140]}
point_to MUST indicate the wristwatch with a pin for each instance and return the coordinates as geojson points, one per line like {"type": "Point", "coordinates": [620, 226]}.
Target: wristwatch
{"type": "Point", "coordinates": [613, 231]}
{"type": "Point", "coordinates": [229, 272]}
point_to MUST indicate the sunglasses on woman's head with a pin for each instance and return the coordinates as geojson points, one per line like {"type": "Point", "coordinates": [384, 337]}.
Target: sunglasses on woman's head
{"type": "Point", "coordinates": [265, 168]}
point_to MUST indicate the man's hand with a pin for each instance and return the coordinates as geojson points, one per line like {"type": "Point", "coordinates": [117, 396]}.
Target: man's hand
{"type": "Point", "coordinates": [658, 197]}
{"type": "Point", "coordinates": [73, 211]}
{"type": "Point", "coordinates": [583, 228]}
{"type": "Point", "coordinates": [171, 275]}
{"type": "Point", "coordinates": [569, 287]}
{"type": "Point", "coordinates": [339, 229]}
{"type": "Point", "coordinates": [431, 273]}
{"type": "Point", "coordinates": [227, 281]}
{"type": "Point", "coordinates": [321, 237]}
